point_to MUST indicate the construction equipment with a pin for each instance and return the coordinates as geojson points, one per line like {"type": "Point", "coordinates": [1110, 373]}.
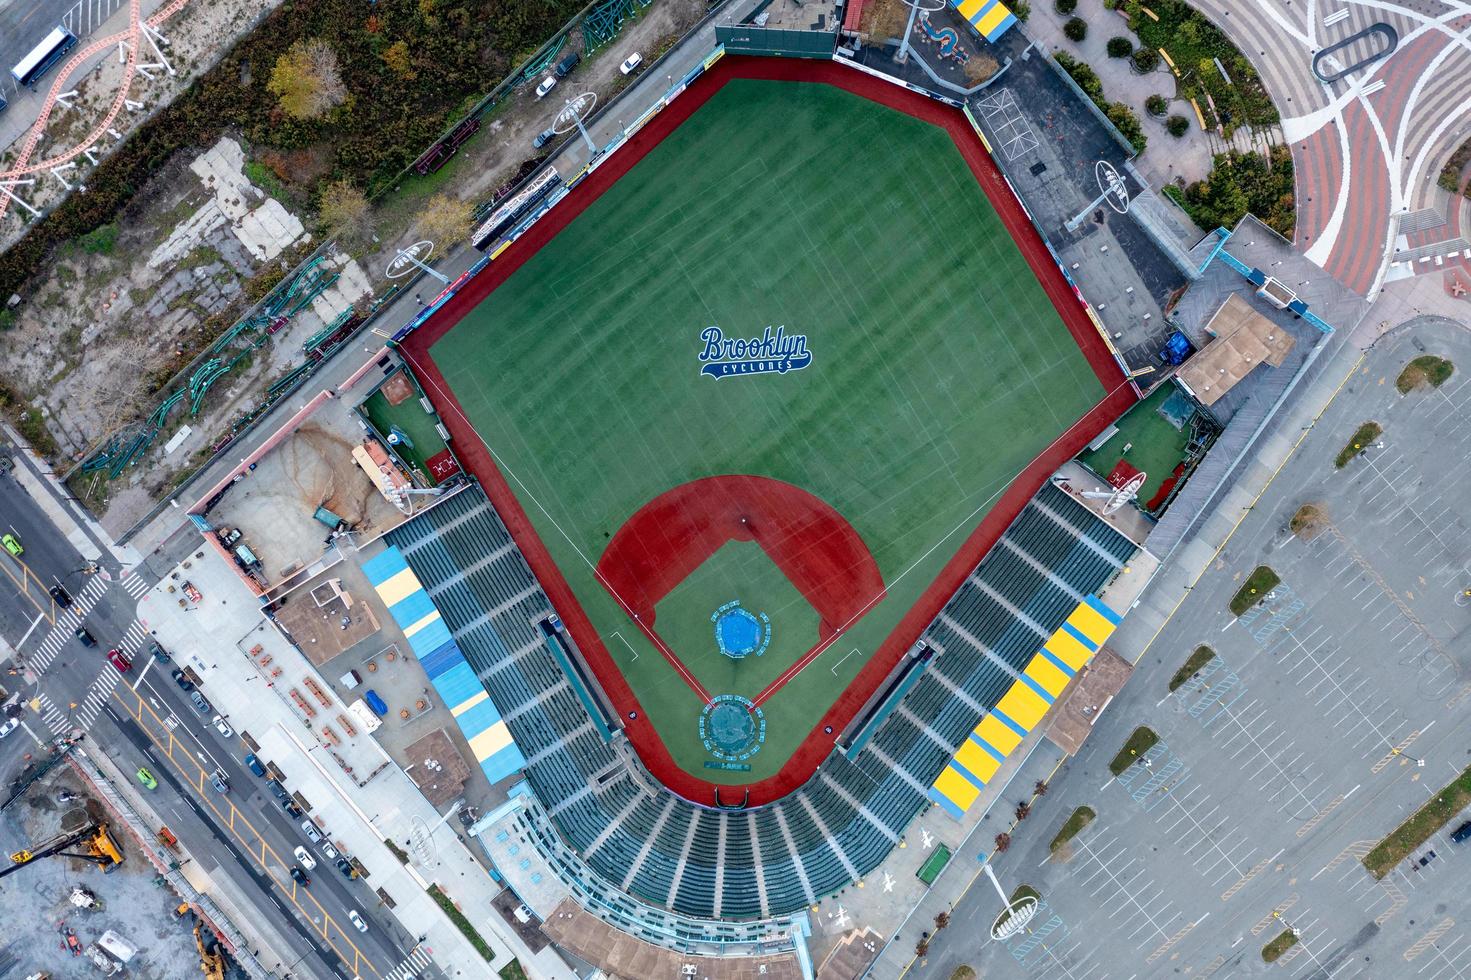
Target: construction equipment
{"type": "Point", "coordinates": [97, 846]}
{"type": "Point", "coordinates": [211, 960]}
{"type": "Point", "coordinates": [83, 897]}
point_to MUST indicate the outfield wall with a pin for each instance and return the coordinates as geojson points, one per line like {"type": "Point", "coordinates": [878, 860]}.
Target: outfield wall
{"type": "Point", "coordinates": [636, 141]}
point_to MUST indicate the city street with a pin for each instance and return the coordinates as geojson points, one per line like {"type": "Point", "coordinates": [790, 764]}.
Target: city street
{"type": "Point", "coordinates": [244, 834]}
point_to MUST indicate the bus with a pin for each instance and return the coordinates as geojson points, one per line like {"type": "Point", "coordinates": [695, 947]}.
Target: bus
{"type": "Point", "coordinates": [43, 57]}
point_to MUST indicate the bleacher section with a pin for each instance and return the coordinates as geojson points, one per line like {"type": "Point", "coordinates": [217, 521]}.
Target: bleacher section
{"type": "Point", "coordinates": [988, 18]}
{"type": "Point", "coordinates": [1020, 708]}
{"type": "Point", "coordinates": [475, 713]}
{"type": "Point", "coordinates": [633, 835]}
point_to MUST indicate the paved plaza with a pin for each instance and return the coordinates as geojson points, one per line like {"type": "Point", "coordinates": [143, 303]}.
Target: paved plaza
{"type": "Point", "coordinates": [1330, 712]}
{"type": "Point", "coordinates": [1367, 147]}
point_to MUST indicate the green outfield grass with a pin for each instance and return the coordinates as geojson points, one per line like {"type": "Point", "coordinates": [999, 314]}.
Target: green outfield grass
{"type": "Point", "coordinates": [940, 369]}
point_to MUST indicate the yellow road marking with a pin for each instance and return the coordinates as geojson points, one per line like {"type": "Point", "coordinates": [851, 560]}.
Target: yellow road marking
{"type": "Point", "coordinates": [120, 693]}
{"type": "Point", "coordinates": [24, 585]}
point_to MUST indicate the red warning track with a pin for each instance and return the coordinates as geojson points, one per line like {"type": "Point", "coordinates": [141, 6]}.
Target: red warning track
{"type": "Point", "coordinates": [477, 459]}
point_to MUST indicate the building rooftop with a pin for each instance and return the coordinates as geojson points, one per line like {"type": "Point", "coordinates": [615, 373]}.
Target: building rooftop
{"type": "Point", "coordinates": [1243, 339]}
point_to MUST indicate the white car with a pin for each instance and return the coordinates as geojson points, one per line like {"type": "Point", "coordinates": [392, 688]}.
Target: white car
{"type": "Point", "coordinates": [547, 84]}
{"type": "Point", "coordinates": [304, 858]}
{"type": "Point", "coordinates": [357, 920]}
{"type": "Point", "coordinates": [223, 727]}
{"type": "Point", "coordinates": [632, 64]}
{"type": "Point", "coordinates": [9, 727]}
{"type": "Point", "coordinates": [329, 850]}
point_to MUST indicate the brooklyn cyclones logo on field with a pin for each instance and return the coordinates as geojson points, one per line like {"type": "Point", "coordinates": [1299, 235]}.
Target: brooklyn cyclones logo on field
{"type": "Point", "coordinates": [774, 352]}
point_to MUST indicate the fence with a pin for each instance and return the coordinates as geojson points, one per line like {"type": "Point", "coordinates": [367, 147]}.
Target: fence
{"type": "Point", "coordinates": [749, 39]}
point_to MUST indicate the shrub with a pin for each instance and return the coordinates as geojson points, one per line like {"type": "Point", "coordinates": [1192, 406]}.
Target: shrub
{"type": "Point", "coordinates": [1076, 29]}
{"type": "Point", "coordinates": [1177, 126]}
{"type": "Point", "coordinates": [307, 80]}
{"type": "Point", "coordinates": [1119, 47]}
{"type": "Point", "coordinates": [1156, 105]}
{"type": "Point", "coordinates": [1022, 10]}
{"type": "Point", "coordinates": [1244, 182]}
{"type": "Point", "coordinates": [1146, 60]}
{"type": "Point", "coordinates": [100, 240]}
{"type": "Point", "coordinates": [1066, 6]}
{"type": "Point", "coordinates": [1127, 123]}
{"type": "Point", "coordinates": [462, 923]}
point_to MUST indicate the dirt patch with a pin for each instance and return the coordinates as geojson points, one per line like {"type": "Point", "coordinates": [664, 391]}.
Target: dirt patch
{"type": "Point", "coordinates": [883, 19]}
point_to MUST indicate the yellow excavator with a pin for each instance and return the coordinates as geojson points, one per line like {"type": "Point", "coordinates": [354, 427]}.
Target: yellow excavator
{"type": "Point", "coordinates": [93, 841]}
{"type": "Point", "coordinates": [211, 961]}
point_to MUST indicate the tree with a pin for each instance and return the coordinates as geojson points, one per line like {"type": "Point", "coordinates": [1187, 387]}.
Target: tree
{"type": "Point", "coordinates": [1076, 29]}
{"type": "Point", "coordinates": [1178, 126]}
{"type": "Point", "coordinates": [343, 210]}
{"type": "Point", "coordinates": [1156, 105]}
{"type": "Point", "coordinates": [1119, 47]}
{"type": "Point", "coordinates": [307, 81]}
{"type": "Point", "coordinates": [1146, 60]}
{"type": "Point", "coordinates": [396, 57]}
{"type": "Point", "coordinates": [446, 220]}
{"type": "Point", "coordinates": [1022, 10]}
{"type": "Point", "coordinates": [1066, 6]}
{"type": "Point", "coordinates": [1003, 841]}
{"type": "Point", "coordinates": [942, 920]}
{"type": "Point", "coordinates": [1040, 788]}
{"type": "Point", "coordinates": [1023, 810]}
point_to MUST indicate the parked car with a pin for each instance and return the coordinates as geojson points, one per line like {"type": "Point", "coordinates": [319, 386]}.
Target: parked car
{"type": "Point", "coordinates": [345, 866]}
{"type": "Point", "coordinates": [221, 785]}
{"type": "Point", "coordinates": [632, 63]}
{"type": "Point", "coordinates": [547, 84]}
{"type": "Point", "coordinates": [183, 682]}
{"type": "Point", "coordinates": [146, 778]}
{"type": "Point", "coordinates": [222, 726]}
{"type": "Point", "coordinates": [304, 857]}
{"type": "Point", "coordinates": [84, 637]}
{"type": "Point", "coordinates": [1461, 833]}
{"type": "Point", "coordinates": [12, 544]}
{"type": "Point", "coordinates": [569, 61]}
{"type": "Point", "coordinates": [61, 597]}
{"type": "Point", "coordinates": [277, 791]}
{"type": "Point", "coordinates": [357, 920]}
{"type": "Point", "coordinates": [299, 876]}
{"type": "Point", "coordinates": [375, 702]}
{"type": "Point", "coordinates": [119, 660]}
{"type": "Point", "coordinates": [544, 137]}
{"type": "Point", "coordinates": [200, 702]}
{"type": "Point", "coordinates": [289, 805]}
{"type": "Point", "coordinates": [9, 727]}
{"type": "Point", "coordinates": [255, 765]}
{"type": "Point", "coordinates": [311, 831]}
{"type": "Point", "coordinates": [159, 652]}
{"type": "Point", "coordinates": [329, 850]}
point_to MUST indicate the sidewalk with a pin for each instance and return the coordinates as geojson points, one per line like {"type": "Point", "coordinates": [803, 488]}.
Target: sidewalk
{"type": "Point", "coordinates": [1166, 158]}
{"type": "Point", "coordinates": [359, 808]}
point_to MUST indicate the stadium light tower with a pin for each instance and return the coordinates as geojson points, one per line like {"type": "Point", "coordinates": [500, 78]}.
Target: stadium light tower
{"type": "Point", "coordinates": [1111, 188]}
{"type": "Point", "coordinates": [915, 6]}
{"type": "Point", "coordinates": [412, 257]}
{"type": "Point", "coordinates": [1014, 918]}
{"type": "Point", "coordinates": [573, 112]}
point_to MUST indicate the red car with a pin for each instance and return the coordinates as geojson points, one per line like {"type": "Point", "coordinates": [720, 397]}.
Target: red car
{"type": "Point", "coordinates": [119, 660]}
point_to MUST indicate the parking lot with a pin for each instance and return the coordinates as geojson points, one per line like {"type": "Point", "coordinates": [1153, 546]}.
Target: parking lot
{"type": "Point", "coordinates": [1330, 712]}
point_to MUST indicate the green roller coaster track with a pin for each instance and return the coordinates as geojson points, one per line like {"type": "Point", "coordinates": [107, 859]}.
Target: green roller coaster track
{"type": "Point", "coordinates": [125, 447]}
{"type": "Point", "coordinates": [603, 22]}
